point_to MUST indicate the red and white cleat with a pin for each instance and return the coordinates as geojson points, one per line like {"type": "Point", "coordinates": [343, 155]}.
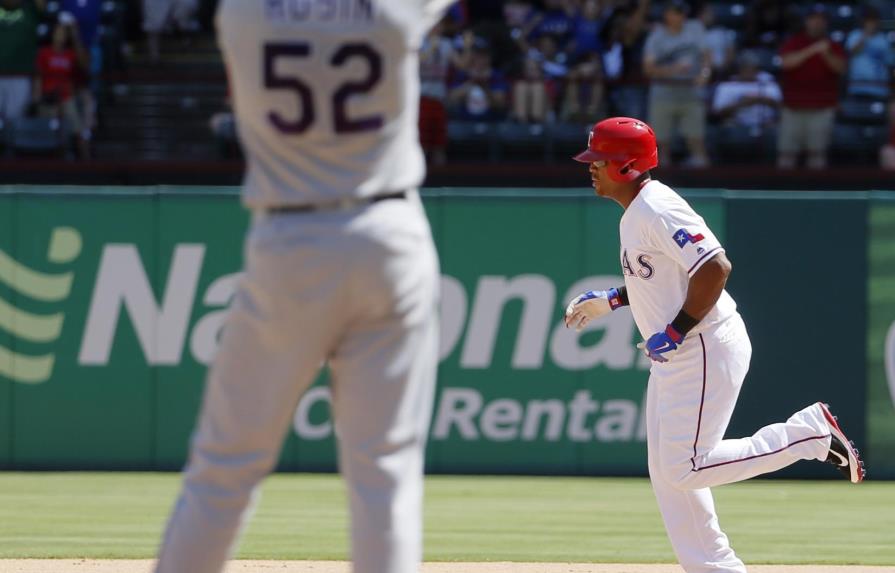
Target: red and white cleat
{"type": "Point", "coordinates": [843, 453]}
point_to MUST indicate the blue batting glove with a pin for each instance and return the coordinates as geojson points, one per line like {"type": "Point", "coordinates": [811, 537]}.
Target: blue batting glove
{"type": "Point", "coordinates": [663, 345]}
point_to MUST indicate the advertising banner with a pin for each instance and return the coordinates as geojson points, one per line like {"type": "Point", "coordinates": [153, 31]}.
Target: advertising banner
{"type": "Point", "coordinates": [111, 302]}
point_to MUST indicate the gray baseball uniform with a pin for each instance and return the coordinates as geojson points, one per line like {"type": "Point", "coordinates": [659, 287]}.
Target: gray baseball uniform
{"type": "Point", "coordinates": [326, 102]}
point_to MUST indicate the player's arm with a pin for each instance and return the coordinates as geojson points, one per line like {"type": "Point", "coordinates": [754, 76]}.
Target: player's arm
{"type": "Point", "coordinates": [593, 304]}
{"type": "Point", "coordinates": [703, 291]}
{"type": "Point", "coordinates": [685, 238]}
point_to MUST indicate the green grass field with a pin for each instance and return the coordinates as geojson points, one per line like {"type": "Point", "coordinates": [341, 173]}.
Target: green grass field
{"type": "Point", "coordinates": [120, 515]}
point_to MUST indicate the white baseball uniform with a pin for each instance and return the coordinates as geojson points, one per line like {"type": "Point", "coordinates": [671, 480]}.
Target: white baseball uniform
{"type": "Point", "coordinates": [690, 398]}
{"type": "Point", "coordinates": [326, 101]}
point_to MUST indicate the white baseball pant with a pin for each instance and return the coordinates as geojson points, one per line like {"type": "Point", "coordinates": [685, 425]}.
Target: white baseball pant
{"type": "Point", "coordinates": [355, 288]}
{"type": "Point", "coordinates": [690, 401]}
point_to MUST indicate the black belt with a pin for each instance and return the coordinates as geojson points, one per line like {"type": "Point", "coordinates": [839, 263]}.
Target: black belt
{"type": "Point", "coordinates": [338, 204]}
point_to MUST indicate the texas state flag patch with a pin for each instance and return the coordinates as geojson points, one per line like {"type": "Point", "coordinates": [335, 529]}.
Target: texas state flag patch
{"type": "Point", "coordinates": [682, 237]}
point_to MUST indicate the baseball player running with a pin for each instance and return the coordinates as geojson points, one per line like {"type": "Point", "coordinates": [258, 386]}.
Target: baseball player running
{"type": "Point", "coordinates": [675, 271]}
{"type": "Point", "coordinates": [340, 268]}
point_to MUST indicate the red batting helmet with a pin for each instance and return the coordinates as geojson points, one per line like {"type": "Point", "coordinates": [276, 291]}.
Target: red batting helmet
{"type": "Point", "coordinates": [627, 145]}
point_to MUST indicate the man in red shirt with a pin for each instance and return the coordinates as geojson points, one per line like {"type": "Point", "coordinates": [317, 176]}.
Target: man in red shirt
{"type": "Point", "coordinates": [812, 66]}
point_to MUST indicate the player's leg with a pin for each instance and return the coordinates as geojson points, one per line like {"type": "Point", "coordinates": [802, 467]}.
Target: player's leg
{"type": "Point", "coordinates": [697, 398]}
{"type": "Point", "coordinates": [277, 334]}
{"type": "Point", "coordinates": [689, 515]}
{"type": "Point", "coordinates": [383, 377]}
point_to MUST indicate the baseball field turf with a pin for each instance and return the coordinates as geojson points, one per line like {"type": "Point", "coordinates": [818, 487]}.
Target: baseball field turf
{"type": "Point", "coordinates": [469, 518]}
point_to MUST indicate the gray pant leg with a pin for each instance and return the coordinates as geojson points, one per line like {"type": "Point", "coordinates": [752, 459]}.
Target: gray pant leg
{"type": "Point", "coordinates": [383, 377]}
{"type": "Point", "coordinates": [273, 345]}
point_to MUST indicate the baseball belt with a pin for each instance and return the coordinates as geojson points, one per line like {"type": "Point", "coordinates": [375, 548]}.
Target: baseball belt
{"type": "Point", "coordinates": [336, 205]}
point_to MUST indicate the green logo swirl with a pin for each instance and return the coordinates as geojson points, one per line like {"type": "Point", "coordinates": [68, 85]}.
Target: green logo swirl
{"type": "Point", "coordinates": [65, 246]}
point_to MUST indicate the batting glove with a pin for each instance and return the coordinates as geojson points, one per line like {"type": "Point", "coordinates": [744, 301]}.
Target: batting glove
{"type": "Point", "coordinates": [663, 345]}
{"type": "Point", "coordinates": [590, 305]}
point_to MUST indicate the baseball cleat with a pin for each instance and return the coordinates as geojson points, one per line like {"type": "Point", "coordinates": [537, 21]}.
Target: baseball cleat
{"type": "Point", "coordinates": [843, 453]}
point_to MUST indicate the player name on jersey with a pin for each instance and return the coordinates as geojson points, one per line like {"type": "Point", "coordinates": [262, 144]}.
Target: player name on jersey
{"type": "Point", "coordinates": [320, 10]}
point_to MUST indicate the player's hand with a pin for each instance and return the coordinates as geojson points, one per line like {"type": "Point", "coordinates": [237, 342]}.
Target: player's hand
{"type": "Point", "coordinates": [590, 305]}
{"type": "Point", "coordinates": [663, 345]}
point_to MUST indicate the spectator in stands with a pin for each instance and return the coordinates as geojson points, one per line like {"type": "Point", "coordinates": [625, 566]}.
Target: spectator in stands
{"type": "Point", "coordinates": [871, 58]}
{"type": "Point", "coordinates": [18, 52]}
{"type": "Point", "coordinates": [557, 20]}
{"type": "Point", "coordinates": [479, 92]}
{"type": "Point", "coordinates": [676, 60]}
{"type": "Point", "coordinates": [721, 42]}
{"type": "Point", "coordinates": [584, 85]}
{"type": "Point", "coordinates": [57, 66]}
{"type": "Point", "coordinates": [530, 89]}
{"type": "Point", "coordinates": [158, 15]}
{"type": "Point", "coordinates": [516, 15]}
{"type": "Point", "coordinates": [543, 68]}
{"type": "Point", "coordinates": [623, 37]}
{"type": "Point", "coordinates": [812, 65]}
{"type": "Point", "coordinates": [887, 152]}
{"type": "Point", "coordinates": [750, 99]}
{"type": "Point", "coordinates": [436, 57]}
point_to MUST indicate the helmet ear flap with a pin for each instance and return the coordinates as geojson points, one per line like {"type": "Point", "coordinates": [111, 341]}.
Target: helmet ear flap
{"type": "Point", "coordinates": [626, 171]}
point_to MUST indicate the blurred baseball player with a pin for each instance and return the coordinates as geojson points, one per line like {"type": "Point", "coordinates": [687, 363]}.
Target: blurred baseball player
{"type": "Point", "coordinates": [340, 268]}
{"type": "Point", "coordinates": [675, 271]}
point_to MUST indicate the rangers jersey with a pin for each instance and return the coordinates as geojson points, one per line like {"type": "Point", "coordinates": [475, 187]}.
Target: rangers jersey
{"type": "Point", "coordinates": [663, 243]}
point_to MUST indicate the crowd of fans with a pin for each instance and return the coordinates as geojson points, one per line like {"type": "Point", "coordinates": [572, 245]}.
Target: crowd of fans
{"type": "Point", "coordinates": [775, 82]}
{"type": "Point", "coordinates": [51, 58]}
{"type": "Point", "coordinates": [781, 75]}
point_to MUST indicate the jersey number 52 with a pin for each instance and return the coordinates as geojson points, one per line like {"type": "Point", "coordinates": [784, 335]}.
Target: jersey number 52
{"type": "Point", "coordinates": [342, 123]}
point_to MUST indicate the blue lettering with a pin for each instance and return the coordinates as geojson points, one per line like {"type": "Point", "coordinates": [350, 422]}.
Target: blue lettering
{"type": "Point", "coordinates": [646, 270]}
{"type": "Point", "coordinates": [626, 266]}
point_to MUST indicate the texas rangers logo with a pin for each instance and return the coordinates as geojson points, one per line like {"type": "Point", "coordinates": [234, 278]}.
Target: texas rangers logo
{"type": "Point", "coordinates": [682, 237]}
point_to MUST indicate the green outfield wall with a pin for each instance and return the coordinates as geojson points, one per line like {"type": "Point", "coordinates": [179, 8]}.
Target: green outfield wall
{"type": "Point", "coordinates": [112, 299]}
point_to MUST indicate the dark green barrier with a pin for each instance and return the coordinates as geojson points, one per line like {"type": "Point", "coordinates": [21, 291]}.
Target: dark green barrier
{"type": "Point", "coordinates": [799, 271]}
{"type": "Point", "coordinates": [881, 338]}
{"type": "Point", "coordinates": [153, 272]}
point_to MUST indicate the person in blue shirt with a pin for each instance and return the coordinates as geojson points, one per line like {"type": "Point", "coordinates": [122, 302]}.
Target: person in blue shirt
{"type": "Point", "coordinates": [871, 58]}
{"type": "Point", "coordinates": [584, 89]}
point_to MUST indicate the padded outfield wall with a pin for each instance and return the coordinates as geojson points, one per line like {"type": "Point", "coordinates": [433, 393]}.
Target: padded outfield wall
{"type": "Point", "coordinates": [111, 300]}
